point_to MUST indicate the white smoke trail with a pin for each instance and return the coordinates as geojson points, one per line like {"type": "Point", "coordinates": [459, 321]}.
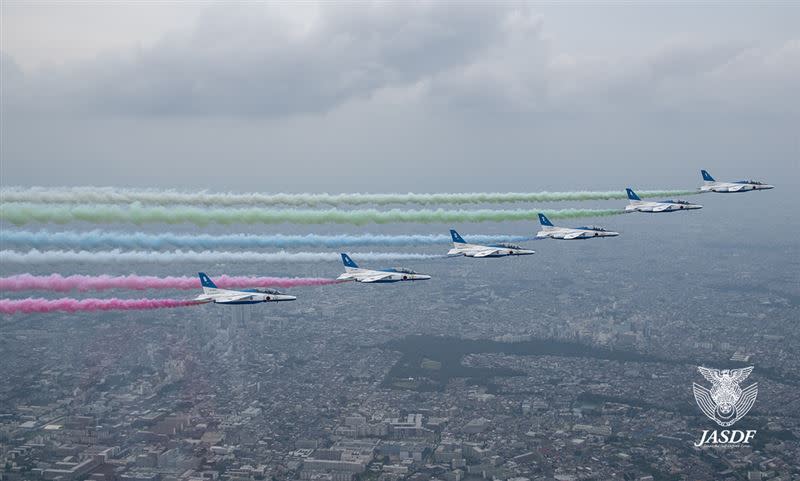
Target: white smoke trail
{"type": "Point", "coordinates": [110, 195]}
{"type": "Point", "coordinates": [117, 256]}
{"type": "Point", "coordinates": [139, 240]}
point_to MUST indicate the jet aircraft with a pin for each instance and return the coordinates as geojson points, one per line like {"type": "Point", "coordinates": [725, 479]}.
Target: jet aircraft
{"type": "Point", "coordinates": [461, 248]}
{"type": "Point", "coordinates": [212, 293]}
{"type": "Point", "coordinates": [711, 185]}
{"type": "Point", "coordinates": [568, 233]}
{"type": "Point", "coordinates": [639, 205]}
{"type": "Point", "coordinates": [397, 274]}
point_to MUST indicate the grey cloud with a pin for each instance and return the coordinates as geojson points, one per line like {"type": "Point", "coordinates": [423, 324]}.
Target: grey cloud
{"type": "Point", "coordinates": [259, 61]}
{"type": "Point", "coordinates": [246, 61]}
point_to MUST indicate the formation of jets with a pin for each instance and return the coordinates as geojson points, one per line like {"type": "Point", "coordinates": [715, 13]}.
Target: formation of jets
{"type": "Point", "coordinates": [213, 294]}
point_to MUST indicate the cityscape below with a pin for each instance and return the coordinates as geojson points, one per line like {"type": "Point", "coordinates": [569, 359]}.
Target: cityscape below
{"type": "Point", "coordinates": [576, 363]}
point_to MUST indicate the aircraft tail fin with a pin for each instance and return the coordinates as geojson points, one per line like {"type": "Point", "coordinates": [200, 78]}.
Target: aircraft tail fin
{"type": "Point", "coordinates": [545, 221]}
{"type": "Point", "coordinates": [632, 195]}
{"type": "Point", "coordinates": [348, 262]}
{"type": "Point", "coordinates": [457, 239]}
{"type": "Point", "coordinates": [706, 176]}
{"type": "Point", "coordinates": [206, 282]}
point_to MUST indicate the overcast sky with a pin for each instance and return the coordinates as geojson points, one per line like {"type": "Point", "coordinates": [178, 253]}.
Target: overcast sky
{"type": "Point", "coordinates": [398, 97]}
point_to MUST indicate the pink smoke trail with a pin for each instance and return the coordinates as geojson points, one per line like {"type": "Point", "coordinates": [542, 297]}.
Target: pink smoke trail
{"type": "Point", "coordinates": [59, 283]}
{"type": "Point", "coordinates": [33, 305]}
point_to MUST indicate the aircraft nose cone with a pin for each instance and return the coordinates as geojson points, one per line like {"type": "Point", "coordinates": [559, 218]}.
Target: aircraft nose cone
{"type": "Point", "coordinates": [285, 298]}
{"type": "Point", "coordinates": [423, 277]}
{"type": "Point", "coordinates": [612, 234]}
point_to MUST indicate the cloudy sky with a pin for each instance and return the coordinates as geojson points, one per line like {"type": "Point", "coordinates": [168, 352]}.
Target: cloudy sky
{"type": "Point", "coordinates": [397, 97]}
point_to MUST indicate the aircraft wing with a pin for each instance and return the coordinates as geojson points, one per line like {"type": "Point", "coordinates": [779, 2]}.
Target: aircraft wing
{"type": "Point", "coordinates": [660, 207]}
{"type": "Point", "coordinates": [573, 235]}
{"type": "Point", "coordinates": [485, 253]}
{"type": "Point", "coordinates": [375, 278]}
{"type": "Point", "coordinates": [736, 188]}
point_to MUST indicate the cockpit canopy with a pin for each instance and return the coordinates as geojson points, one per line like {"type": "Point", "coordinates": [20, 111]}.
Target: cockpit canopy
{"type": "Point", "coordinates": [268, 291]}
{"type": "Point", "coordinates": [403, 270]}
{"type": "Point", "coordinates": [506, 245]}
{"type": "Point", "coordinates": [592, 227]}
{"type": "Point", "coordinates": [683, 202]}
{"type": "Point", "coordinates": [754, 182]}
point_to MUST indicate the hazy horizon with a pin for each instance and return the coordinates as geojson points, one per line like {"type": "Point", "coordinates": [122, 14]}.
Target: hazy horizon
{"type": "Point", "coordinates": [397, 98]}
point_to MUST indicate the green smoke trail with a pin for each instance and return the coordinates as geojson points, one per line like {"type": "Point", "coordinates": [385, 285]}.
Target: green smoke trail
{"type": "Point", "coordinates": [109, 195]}
{"type": "Point", "coordinates": [20, 214]}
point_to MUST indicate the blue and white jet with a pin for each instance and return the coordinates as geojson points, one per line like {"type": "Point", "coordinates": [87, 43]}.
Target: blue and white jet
{"type": "Point", "coordinates": [570, 233]}
{"type": "Point", "coordinates": [711, 185]}
{"type": "Point", "coordinates": [212, 293]}
{"type": "Point", "coordinates": [461, 248]}
{"type": "Point", "coordinates": [638, 205]}
{"type": "Point", "coordinates": [354, 273]}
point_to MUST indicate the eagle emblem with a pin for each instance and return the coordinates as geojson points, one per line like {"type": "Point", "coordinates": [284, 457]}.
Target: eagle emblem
{"type": "Point", "coordinates": [726, 402]}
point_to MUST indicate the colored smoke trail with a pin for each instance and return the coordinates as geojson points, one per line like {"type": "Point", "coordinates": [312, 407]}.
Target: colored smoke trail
{"type": "Point", "coordinates": [110, 195]}
{"type": "Point", "coordinates": [21, 214]}
{"type": "Point", "coordinates": [33, 305]}
{"type": "Point", "coordinates": [139, 240]}
{"type": "Point", "coordinates": [59, 283]}
{"type": "Point", "coordinates": [34, 256]}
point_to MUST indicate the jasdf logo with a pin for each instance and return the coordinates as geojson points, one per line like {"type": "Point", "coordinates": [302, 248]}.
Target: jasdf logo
{"type": "Point", "coordinates": [725, 402]}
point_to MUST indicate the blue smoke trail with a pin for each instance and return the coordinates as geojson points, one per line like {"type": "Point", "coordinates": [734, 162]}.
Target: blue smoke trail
{"type": "Point", "coordinates": [139, 240]}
